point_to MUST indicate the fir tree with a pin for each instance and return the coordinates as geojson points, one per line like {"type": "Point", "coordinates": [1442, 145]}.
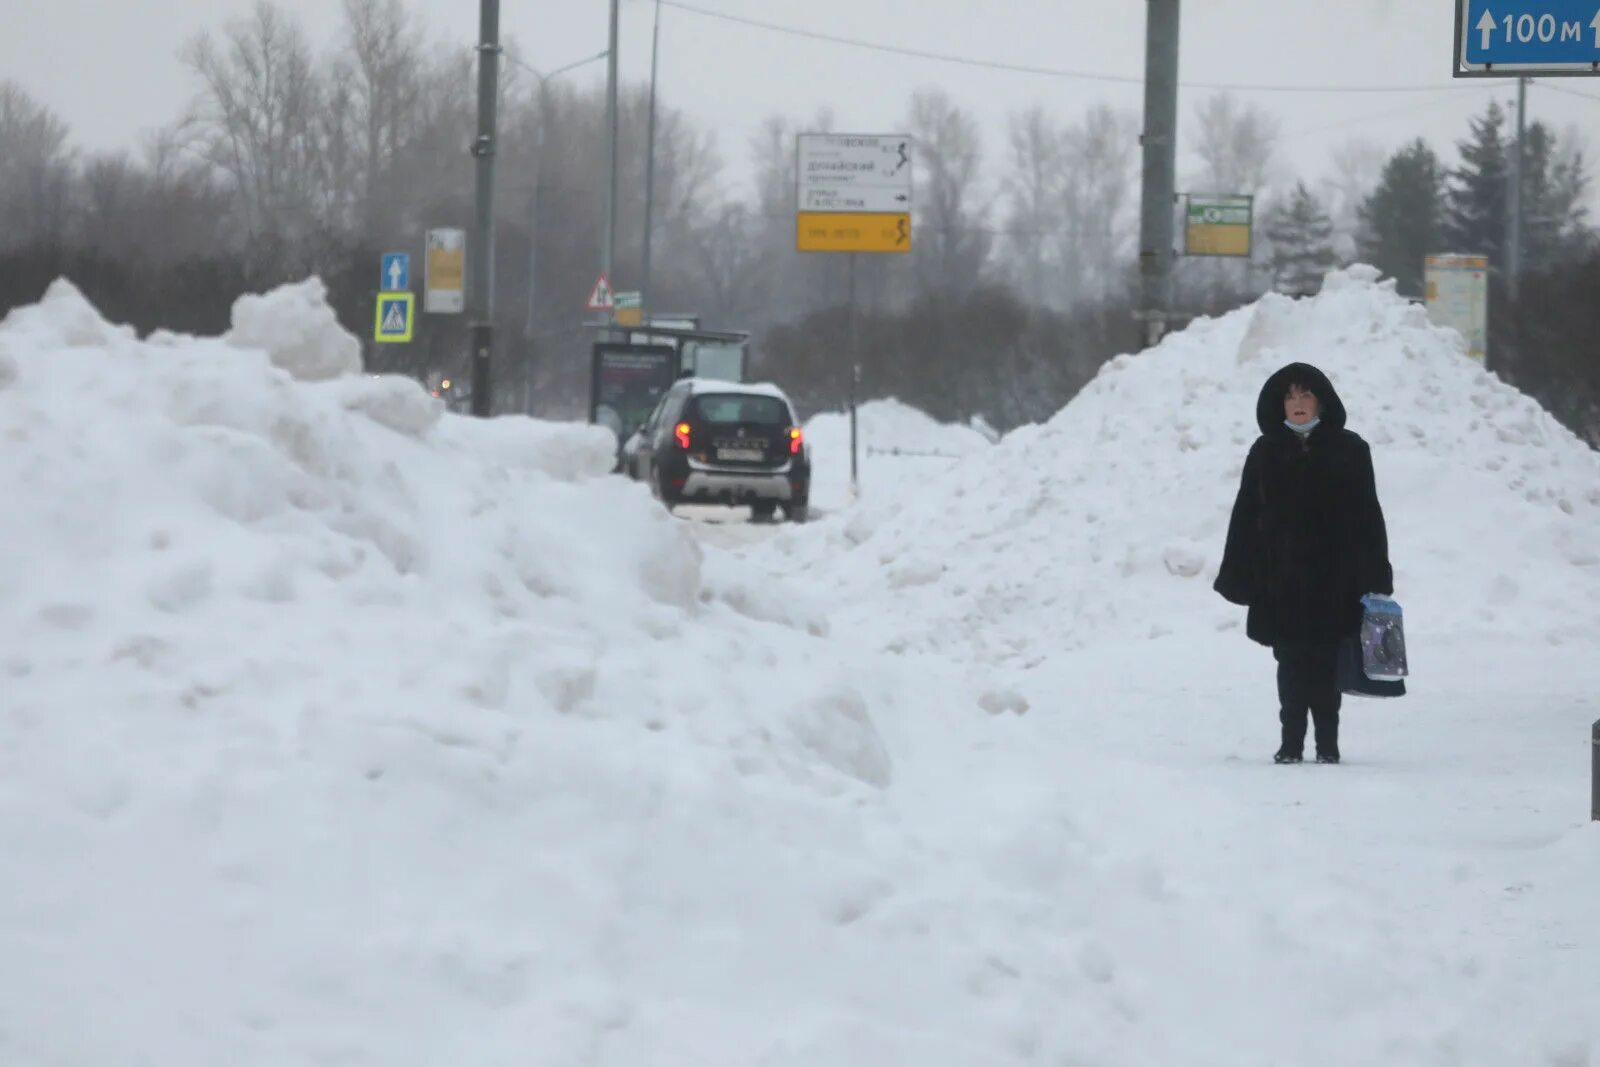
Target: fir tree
{"type": "Point", "coordinates": [1301, 237]}
{"type": "Point", "coordinates": [1475, 212]}
{"type": "Point", "coordinates": [1401, 220]}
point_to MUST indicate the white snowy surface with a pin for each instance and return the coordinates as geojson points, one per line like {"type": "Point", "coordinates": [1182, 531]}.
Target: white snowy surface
{"type": "Point", "coordinates": [895, 445]}
{"type": "Point", "coordinates": [338, 730]}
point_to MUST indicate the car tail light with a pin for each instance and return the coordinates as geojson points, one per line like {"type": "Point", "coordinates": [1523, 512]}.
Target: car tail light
{"type": "Point", "coordinates": [797, 438]}
{"type": "Point", "coordinates": [681, 431]}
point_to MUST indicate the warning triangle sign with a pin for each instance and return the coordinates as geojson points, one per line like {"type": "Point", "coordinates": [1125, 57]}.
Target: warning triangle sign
{"type": "Point", "coordinates": [394, 319]}
{"type": "Point", "coordinates": [602, 299]}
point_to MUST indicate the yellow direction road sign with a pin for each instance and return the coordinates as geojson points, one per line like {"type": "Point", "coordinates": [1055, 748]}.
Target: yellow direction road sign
{"type": "Point", "coordinates": [395, 318]}
{"type": "Point", "coordinates": [831, 231]}
{"type": "Point", "coordinates": [1217, 226]}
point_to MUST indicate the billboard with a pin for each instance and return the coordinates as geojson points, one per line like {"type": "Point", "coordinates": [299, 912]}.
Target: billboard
{"type": "Point", "coordinates": [1217, 225]}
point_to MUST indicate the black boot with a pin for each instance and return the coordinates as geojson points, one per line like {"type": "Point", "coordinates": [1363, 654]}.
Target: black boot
{"type": "Point", "coordinates": [1328, 742]}
{"type": "Point", "coordinates": [1288, 755]}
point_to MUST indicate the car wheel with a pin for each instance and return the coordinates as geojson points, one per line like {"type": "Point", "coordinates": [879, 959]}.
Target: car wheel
{"type": "Point", "coordinates": [662, 492]}
{"type": "Point", "coordinates": [763, 510]}
{"type": "Point", "coordinates": [798, 511]}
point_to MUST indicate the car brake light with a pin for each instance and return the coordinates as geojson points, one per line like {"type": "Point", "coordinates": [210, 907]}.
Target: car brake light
{"type": "Point", "coordinates": [796, 439]}
{"type": "Point", "coordinates": [682, 432]}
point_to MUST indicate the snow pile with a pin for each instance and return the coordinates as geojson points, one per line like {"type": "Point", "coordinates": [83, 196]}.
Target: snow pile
{"type": "Point", "coordinates": [334, 729]}
{"type": "Point", "coordinates": [894, 443]}
{"type": "Point", "coordinates": [337, 730]}
{"type": "Point", "coordinates": [296, 328]}
{"type": "Point", "coordinates": [1108, 521]}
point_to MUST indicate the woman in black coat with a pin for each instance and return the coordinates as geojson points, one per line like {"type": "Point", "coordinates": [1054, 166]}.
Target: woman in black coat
{"type": "Point", "coordinates": [1305, 542]}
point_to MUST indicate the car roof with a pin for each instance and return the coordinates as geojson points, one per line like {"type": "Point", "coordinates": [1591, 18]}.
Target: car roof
{"type": "Point", "coordinates": [702, 386]}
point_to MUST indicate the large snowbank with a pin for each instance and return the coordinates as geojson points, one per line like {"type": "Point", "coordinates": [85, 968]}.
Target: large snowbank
{"type": "Point", "coordinates": [1108, 521]}
{"type": "Point", "coordinates": [336, 729]}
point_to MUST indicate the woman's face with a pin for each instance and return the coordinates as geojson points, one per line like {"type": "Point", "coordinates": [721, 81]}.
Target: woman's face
{"type": "Point", "coordinates": [1299, 405]}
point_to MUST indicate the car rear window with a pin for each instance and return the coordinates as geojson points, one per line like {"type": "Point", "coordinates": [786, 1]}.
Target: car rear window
{"type": "Point", "coordinates": [732, 408]}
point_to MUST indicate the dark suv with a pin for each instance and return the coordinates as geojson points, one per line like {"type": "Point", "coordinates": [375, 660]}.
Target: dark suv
{"type": "Point", "coordinates": [712, 442]}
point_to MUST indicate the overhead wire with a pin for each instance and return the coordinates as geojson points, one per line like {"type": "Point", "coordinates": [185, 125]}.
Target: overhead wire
{"type": "Point", "coordinates": [1048, 72]}
{"type": "Point", "coordinates": [1564, 90]}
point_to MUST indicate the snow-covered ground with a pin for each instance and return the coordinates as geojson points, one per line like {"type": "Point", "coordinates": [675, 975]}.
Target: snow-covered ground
{"type": "Point", "coordinates": [337, 730]}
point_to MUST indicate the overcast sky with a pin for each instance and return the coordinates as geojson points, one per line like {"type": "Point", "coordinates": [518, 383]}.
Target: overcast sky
{"type": "Point", "coordinates": [111, 69]}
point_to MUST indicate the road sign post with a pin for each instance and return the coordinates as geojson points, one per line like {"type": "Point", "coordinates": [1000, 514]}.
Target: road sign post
{"type": "Point", "coordinates": [395, 318]}
{"type": "Point", "coordinates": [1527, 38]}
{"type": "Point", "coordinates": [854, 195]}
{"type": "Point", "coordinates": [629, 308]}
{"type": "Point", "coordinates": [1456, 291]}
{"type": "Point", "coordinates": [444, 272]}
{"type": "Point", "coordinates": [1218, 226]}
{"type": "Point", "coordinates": [854, 192]}
{"type": "Point", "coordinates": [601, 297]}
{"type": "Point", "coordinates": [394, 272]}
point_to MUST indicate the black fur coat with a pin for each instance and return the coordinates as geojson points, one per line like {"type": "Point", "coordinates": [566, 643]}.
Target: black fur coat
{"type": "Point", "coordinates": [1307, 536]}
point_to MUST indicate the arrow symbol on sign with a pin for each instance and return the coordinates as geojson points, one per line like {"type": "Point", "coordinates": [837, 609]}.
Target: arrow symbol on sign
{"type": "Point", "coordinates": [394, 273]}
{"type": "Point", "coordinates": [1486, 27]}
{"type": "Point", "coordinates": [1596, 25]}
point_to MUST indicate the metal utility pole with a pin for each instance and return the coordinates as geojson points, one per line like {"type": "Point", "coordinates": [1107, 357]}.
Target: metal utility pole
{"type": "Point", "coordinates": [855, 372]}
{"type": "Point", "coordinates": [608, 250]}
{"type": "Point", "coordinates": [541, 120]}
{"type": "Point", "coordinates": [1514, 199]}
{"type": "Point", "coordinates": [650, 165]}
{"type": "Point", "coordinates": [481, 288]}
{"type": "Point", "coordinates": [1159, 140]}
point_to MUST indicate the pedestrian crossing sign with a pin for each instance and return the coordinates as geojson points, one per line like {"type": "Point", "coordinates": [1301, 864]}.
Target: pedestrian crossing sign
{"type": "Point", "coordinates": [395, 318]}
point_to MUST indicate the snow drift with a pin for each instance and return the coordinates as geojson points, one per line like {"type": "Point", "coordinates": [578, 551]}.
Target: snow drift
{"type": "Point", "coordinates": [338, 730]}
{"type": "Point", "coordinates": [1108, 521]}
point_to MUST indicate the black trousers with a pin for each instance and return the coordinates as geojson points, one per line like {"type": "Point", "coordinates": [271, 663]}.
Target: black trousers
{"type": "Point", "coordinates": [1308, 681]}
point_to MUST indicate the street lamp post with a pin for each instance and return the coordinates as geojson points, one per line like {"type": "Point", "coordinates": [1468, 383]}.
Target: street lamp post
{"type": "Point", "coordinates": [540, 121]}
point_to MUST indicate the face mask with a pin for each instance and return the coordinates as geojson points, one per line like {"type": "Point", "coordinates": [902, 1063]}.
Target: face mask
{"type": "Point", "coordinates": [1307, 428]}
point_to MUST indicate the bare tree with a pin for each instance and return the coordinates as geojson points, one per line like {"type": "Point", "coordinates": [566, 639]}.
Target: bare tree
{"type": "Point", "coordinates": [36, 171]}
{"type": "Point", "coordinates": [256, 121]}
{"type": "Point", "coordinates": [379, 84]}
{"type": "Point", "coordinates": [1235, 144]}
{"type": "Point", "coordinates": [1357, 166]}
{"type": "Point", "coordinates": [1033, 192]}
{"type": "Point", "coordinates": [951, 241]}
{"type": "Point", "coordinates": [1100, 154]}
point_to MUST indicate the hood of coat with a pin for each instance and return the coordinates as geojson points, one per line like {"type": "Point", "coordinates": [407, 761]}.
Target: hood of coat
{"type": "Point", "coordinates": [1269, 407]}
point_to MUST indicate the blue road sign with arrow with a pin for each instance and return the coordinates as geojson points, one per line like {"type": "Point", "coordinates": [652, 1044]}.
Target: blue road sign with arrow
{"type": "Point", "coordinates": [1527, 37]}
{"type": "Point", "coordinates": [395, 274]}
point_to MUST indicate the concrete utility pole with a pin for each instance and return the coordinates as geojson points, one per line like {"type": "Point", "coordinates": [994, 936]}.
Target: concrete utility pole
{"type": "Point", "coordinates": [1159, 140]}
{"type": "Point", "coordinates": [541, 120]}
{"type": "Point", "coordinates": [608, 251]}
{"type": "Point", "coordinates": [1514, 199]}
{"type": "Point", "coordinates": [481, 288]}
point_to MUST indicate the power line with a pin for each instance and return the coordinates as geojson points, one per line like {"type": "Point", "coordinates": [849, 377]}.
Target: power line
{"type": "Point", "coordinates": [1047, 72]}
{"type": "Point", "coordinates": [1391, 113]}
{"type": "Point", "coordinates": [1563, 89]}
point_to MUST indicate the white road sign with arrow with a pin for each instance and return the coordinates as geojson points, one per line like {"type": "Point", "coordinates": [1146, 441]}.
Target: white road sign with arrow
{"type": "Point", "coordinates": [855, 172]}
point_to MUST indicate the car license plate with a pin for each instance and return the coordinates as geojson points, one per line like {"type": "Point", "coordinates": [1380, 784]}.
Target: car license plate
{"type": "Point", "coordinates": [741, 455]}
